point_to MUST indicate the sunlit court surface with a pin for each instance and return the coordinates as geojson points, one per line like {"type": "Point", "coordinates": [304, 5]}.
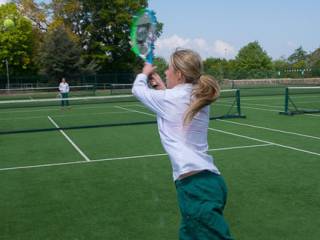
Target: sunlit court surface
{"type": "Point", "coordinates": [78, 174]}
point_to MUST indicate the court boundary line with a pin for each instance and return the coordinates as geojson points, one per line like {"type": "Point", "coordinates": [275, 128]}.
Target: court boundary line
{"type": "Point", "coordinates": [124, 158]}
{"type": "Point", "coordinates": [269, 129]}
{"type": "Point", "coordinates": [247, 137]}
{"type": "Point", "coordinates": [69, 140]}
{"type": "Point", "coordinates": [132, 110]}
{"type": "Point", "coordinates": [61, 116]}
{"type": "Point", "coordinates": [264, 141]}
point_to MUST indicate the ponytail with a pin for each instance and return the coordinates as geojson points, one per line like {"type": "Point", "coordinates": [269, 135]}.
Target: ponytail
{"type": "Point", "coordinates": [205, 92]}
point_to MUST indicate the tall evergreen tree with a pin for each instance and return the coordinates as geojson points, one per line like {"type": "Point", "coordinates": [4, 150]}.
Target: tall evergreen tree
{"type": "Point", "coordinates": [59, 55]}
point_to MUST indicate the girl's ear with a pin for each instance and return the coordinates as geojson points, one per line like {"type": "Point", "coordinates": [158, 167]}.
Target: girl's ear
{"type": "Point", "coordinates": [180, 76]}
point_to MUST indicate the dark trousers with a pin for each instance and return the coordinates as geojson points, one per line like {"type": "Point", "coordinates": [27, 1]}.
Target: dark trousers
{"type": "Point", "coordinates": [64, 101]}
{"type": "Point", "coordinates": [202, 198]}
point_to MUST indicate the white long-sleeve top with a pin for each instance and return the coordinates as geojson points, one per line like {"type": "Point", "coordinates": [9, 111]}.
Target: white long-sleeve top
{"type": "Point", "coordinates": [186, 146]}
{"type": "Point", "coordinates": [64, 87]}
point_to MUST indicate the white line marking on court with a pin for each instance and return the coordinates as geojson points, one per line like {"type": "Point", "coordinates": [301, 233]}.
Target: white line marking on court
{"type": "Point", "coordinates": [269, 110]}
{"type": "Point", "coordinates": [131, 110]}
{"type": "Point", "coordinates": [259, 140]}
{"type": "Point", "coordinates": [262, 109]}
{"type": "Point", "coordinates": [61, 116]}
{"type": "Point", "coordinates": [313, 115]}
{"type": "Point", "coordinates": [40, 109]}
{"type": "Point", "coordinates": [270, 129]}
{"type": "Point", "coordinates": [124, 158]}
{"type": "Point", "coordinates": [69, 139]}
{"type": "Point", "coordinates": [262, 105]}
{"type": "Point", "coordinates": [255, 98]}
{"type": "Point", "coordinates": [242, 106]}
{"type": "Point", "coordinates": [256, 139]}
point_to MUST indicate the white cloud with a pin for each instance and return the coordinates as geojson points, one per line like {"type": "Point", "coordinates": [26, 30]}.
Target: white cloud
{"type": "Point", "coordinates": [223, 48]}
{"type": "Point", "coordinates": [3, 1]}
{"type": "Point", "coordinates": [219, 48]}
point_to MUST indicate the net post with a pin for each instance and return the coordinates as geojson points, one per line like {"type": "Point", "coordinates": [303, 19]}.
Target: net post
{"type": "Point", "coordinates": [238, 102]}
{"type": "Point", "coordinates": [286, 101]}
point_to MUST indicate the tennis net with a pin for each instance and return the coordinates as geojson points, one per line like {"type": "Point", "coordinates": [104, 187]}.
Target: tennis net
{"type": "Point", "coordinates": [299, 100]}
{"type": "Point", "coordinates": [44, 92]}
{"type": "Point", "coordinates": [19, 116]}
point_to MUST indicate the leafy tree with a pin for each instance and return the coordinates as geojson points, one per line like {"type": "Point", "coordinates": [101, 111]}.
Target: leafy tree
{"type": "Point", "coordinates": [59, 55]}
{"type": "Point", "coordinates": [105, 31]}
{"type": "Point", "coordinates": [161, 65]}
{"type": "Point", "coordinates": [215, 67]}
{"type": "Point", "coordinates": [299, 55]}
{"type": "Point", "coordinates": [252, 62]}
{"type": "Point", "coordinates": [314, 62]}
{"type": "Point", "coordinates": [36, 12]}
{"type": "Point", "coordinates": [280, 66]}
{"type": "Point", "coordinates": [17, 42]}
{"type": "Point", "coordinates": [102, 28]}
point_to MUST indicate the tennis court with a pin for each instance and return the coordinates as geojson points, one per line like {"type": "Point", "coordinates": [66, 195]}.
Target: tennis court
{"type": "Point", "coordinates": [99, 177]}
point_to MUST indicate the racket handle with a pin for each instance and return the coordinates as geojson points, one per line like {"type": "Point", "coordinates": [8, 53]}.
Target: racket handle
{"type": "Point", "coordinates": [149, 58]}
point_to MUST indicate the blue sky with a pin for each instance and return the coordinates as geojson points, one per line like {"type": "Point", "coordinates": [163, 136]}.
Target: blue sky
{"type": "Point", "coordinates": [221, 28]}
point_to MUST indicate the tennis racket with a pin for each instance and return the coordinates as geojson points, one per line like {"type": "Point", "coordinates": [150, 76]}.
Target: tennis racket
{"type": "Point", "coordinates": [143, 34]}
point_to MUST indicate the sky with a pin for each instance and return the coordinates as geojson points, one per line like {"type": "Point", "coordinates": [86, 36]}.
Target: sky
{"type": "Point", "coordinates": [221, 28]}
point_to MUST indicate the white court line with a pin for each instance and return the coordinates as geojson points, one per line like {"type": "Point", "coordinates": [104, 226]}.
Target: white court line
{"type": "Point", "coordinates": [243, 105]}
{"type": "Point", "coordinates": [268, 142]}
{"type": "Point", "coordinates": [124, 158]}
{"type": "Point", "coordinates": [263, 105]}
{"type": "Point", "coordinates": [261, 109]}
{"type": "Point", "coordinates": [141, 106]}
{"type": "Point", "coordinates": [255, 98]}
{"type": "Point", "coordinates": [269, 110]}
{"type": "Point", "coordinates": [243, 136]}
{"type": "Point", "coordinates": [61, 116]}
{"type": "Point", "coordinates": [132, 110]}
{"type": "Point", "coordinates": [313, 115]}
{"type": "Point", "coordinates": [40, 109]}
{"type": "Point", "coordinates": [270, 129]}
{"type": "Point", "coordinates": [69, 139]}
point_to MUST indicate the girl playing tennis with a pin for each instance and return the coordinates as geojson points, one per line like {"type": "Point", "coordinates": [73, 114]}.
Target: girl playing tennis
{"type": "Point", "coordinates": [182, 109]}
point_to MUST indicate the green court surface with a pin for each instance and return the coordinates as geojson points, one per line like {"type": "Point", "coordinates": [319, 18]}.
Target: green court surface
{"type": "Point", "coordinates": [115, 182]}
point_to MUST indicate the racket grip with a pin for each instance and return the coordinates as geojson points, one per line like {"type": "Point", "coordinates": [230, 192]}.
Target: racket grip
{"type": "Point", "coordinates": [149, 58]}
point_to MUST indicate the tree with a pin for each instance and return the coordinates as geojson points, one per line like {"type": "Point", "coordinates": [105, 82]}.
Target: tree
{"type": "Point", "coordinates": [252, 62]}
{"type": "Point", "coordinates": [102, 28]}
{"type": "Point", "coordinates": [59, 55]}
{"type": "Point", "coordinates": [17, 42]}
{"type": "Point", "coordinates": [299, 55]}
{"type": "Point", "coordinates": [314, 62]}
{"type": "Point", "coordinates": [215, 67]}
{"type": "Point", "coordinates": [161, 65]}
{"type": "Point", "coordinates": [105, 33]}
{"type": "Point", "coordinates": [37, 13]}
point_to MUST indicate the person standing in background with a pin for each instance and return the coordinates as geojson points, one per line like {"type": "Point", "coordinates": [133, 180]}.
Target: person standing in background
{"type": "Point", "coordinates": [64, 90]}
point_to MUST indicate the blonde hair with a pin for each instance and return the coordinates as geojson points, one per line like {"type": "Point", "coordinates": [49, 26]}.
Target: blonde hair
{"type": "Point", "coordinates": [205, 89]}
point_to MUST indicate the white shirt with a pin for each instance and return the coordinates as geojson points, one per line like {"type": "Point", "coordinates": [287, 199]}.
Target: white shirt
{"type": "Point", "coordinates": [64, 87]}
{"type": "Point", "coordinates": [186, 146]}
